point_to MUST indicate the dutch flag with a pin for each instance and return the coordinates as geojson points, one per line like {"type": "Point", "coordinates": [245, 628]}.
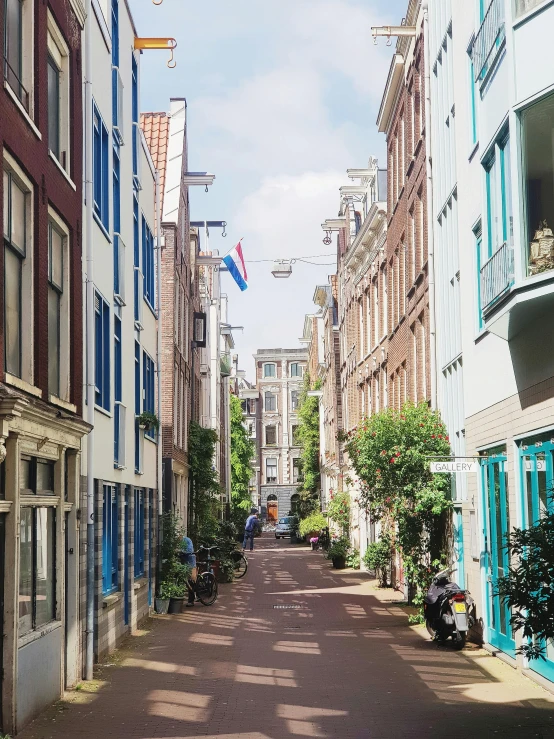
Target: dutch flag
{"type": "Point", "coordinates": [234, 261]}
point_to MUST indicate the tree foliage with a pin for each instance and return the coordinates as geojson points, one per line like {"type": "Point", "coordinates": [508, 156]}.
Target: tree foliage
{"type": "Point", "coordinates": [338, 511]}
{"type": "Point", "coordinates": [242, 454]}
{"type": "Point", "coordinates": [205, 483]}
{"type": "Point", "coordinates": [528, 588]}
{"type": "Point", "coordinates": [308, 437]}
{"type": "Point", "coordinates": [390, 454]}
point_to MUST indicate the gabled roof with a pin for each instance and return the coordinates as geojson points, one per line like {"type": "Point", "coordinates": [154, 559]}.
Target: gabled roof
{"type": "Point", "coordinates": [155, 127]}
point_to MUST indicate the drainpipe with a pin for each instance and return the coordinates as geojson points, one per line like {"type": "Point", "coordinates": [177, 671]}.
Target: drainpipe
{"type": "Point", "coordinates": [159, 361]}
{"type": "Point", "coordinates": [430, 214]}
{"type": "Point", "coordinates": [89, 661]}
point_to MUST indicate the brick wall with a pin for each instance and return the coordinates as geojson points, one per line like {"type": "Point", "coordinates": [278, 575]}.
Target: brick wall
{"type": "Point", "coordinates": [50, 188]}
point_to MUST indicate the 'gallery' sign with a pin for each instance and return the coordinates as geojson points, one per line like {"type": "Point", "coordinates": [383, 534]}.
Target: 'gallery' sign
{"type": "Point", "coordinates": [454, 466]}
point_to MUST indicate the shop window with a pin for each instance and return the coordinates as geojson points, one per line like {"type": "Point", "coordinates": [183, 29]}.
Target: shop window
{"type": "Point", "coordinates": [110, 540]}
{"type": "Point", "coordinates": [37, 568]}
{"type": "Point", "coordinates": [538, 175]}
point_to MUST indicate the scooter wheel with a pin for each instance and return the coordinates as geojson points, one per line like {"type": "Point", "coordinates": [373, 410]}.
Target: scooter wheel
{"type": "Point", "coordinates": [460, 640]}
{"type": "Point", "coordinates": [430, 629]}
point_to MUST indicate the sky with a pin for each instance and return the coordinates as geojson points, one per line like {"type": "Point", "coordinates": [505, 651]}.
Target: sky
{"type": "Point", "coordinates": [282, 98]}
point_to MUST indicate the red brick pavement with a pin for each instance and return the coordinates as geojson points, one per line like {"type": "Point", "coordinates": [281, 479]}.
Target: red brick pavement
{"type": "Point", "coordinates": [344, 664]}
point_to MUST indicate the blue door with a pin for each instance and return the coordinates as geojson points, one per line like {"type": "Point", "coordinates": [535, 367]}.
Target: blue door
{"type": "Point", "coordinates": [496, 560]}
{"type": "Point", "coordinates": [537, 463]}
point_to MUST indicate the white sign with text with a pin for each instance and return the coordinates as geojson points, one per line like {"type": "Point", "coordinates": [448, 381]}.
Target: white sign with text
{"type": "Point", "coordinates": [454, 466]}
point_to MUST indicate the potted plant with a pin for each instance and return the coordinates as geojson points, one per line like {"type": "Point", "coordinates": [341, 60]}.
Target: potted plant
{"type": "Point", "coordinates": [337, 553]}
{"type": "Point", "coordinates": [314, 541]}
{"type": "Point", "coordinates": [148, 421]}
{"type": "Point", "coordinates": [177, 593]}
{"type": "Point", "coordinates": [161, 603]}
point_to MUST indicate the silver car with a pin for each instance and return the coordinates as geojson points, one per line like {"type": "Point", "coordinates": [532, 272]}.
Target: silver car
{"type": "Point", "coordinates": [286, 527]}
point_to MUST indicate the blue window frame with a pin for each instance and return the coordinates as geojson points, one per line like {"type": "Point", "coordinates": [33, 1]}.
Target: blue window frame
{"type": "Point", "coordinates": [136, 259]}
{"type": "Point", "coordinates": [110, 540]}
{"type": "Point", "coordinates": [148, 380]}
{"type": "Point", "coordinates": [472, 98]}
{"type": "Point", "coordinates": [148, 263]}
{"type": "Point", "coordinates": [102, 352]}
{"type": "Point", "coordinates": [116, 178]}
{"type": "Point", "coordinates": [119, 453]}
{"type": "Point", "coordinates": [135, 117]}
{"type": "Point", "coordinates": [137, 406]}
{"type": "Point", "coordinates": [499, 196]}
{"type": "Point", "coordinates": [100, 173]}
{"type": "Point", "coordinates": [139, 532]}
{"type": "Point", "coordinates": [480, 259]}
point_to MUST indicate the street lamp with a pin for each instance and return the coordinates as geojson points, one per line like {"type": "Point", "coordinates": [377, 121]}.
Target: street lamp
{"type": "Point", "coordinates": [198, 178]}
{"type": "Point", "coordinates": [282, 268]}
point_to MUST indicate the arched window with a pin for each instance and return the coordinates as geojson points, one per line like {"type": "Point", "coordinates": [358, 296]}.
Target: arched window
{"type": "Point", "coordinates": [271, 497]}
{"type": "Point", "coordinates": [294, 503]}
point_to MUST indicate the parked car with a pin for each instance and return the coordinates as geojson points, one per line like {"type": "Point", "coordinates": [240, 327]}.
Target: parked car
{"type": "Point", "coordinates": [287, 526]}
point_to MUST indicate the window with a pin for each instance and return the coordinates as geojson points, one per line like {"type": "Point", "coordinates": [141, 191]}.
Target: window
{"type": "Point", "coordinates": [57, 64]}
{"type": "Point", "coordinates": [36, 476]}
{"type": "Point", "coordinates": [139, 533]}
{"type": "Point", "coordinates": [538, 175]}
{"type": "Point", "coordinates": [149, 402]}
{"type": "Point", "coordinates": [110, 540]}
{"type": "Point", "coordinates": [270, 370]}
{"type": "Point", "coordinates": [474, 548]}
{"type": "Point", "coordinates": [295, 436]}
{"type": "Point", "coordinates": [297, 470]}
{"type": "Point", "coordinates": [138, 458]}
{"type": "Point", "coordinates": [18, 319]}
{"type": "Point", "coordinates": [119, 410]}
{"type": "Point", "coordinates": [472, 97]}
{"type": "Point", "coordinates": [18, 49]}
{"type": "Point", "coordinates": [148, 263]}
{"type": "Point", "coordinates": [480, 259]}
{"type": "Point", "coordinates": [270, 400]}
{"type": "Point", "coordinates": [296, 370]}
{"type": "Point", "coordinates": [118, 245]}
{"type": "Point", "coordinates": [138, 283]}
{"type": "Point", "coordinates": [37, 573]}
{"type": "Point", "coordinates": [58, 313]}
{"type": "Point", "coordinates": [136, 124]}
{"type": "Point", "coordinates": [271, 470]}
{"type": "Point", "coordinates": [117, 84]}
{"type": "Point", "coordinates": [499, 197]}
{"type": "Point", "coordinates": [102, 352]}
{"type": "Point", "coordinates": [270, 435]}
{"type": "Point", "coordinates": [294, 400]}
{"type": "Point", "coordinates": [100, 174]}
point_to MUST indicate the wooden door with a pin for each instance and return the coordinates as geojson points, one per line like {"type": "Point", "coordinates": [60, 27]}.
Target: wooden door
{"type": "Point", "coordinates": [272, 511]}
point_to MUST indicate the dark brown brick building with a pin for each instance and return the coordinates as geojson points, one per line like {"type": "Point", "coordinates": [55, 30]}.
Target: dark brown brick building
{"type": "Point", "coordinates": [41, 351]}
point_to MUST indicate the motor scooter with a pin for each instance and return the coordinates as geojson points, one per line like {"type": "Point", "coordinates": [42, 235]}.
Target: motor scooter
{"type": "Point", "coordinates": [448, 610]}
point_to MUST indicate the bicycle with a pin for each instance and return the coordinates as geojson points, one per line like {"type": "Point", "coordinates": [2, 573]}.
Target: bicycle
{"type": "Point", "coordinates": [205, 587]}
{"type": "Point", "coordinates": [240, 563]}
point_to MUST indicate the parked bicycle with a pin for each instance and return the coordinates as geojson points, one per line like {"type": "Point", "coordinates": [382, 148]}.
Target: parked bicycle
{"type": "Point", "coordinates": [205, 588]}
{"type": "Point", "coordinates": [240, 563]}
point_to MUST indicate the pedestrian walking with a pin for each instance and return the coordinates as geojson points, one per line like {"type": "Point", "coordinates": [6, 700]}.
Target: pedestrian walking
{"type": "Point", "coordinates": [189, 558]}
{"type": "Point", "coordinates": [250, 528]}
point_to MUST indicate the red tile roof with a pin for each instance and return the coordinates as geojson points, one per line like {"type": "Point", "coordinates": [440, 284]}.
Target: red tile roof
{"type": "Point", "coordinates": [155, 127]}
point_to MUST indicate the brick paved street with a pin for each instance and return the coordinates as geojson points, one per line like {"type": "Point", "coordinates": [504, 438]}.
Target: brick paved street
{"type": "Point", "coordinates": [343, 664]}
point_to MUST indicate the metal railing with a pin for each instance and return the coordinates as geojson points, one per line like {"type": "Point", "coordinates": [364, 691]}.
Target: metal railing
{"type": "Point", "coordinates": [489, 39]}
{"type": "Point", "coordinates": [15, 83]}
{"type": "Point", "coordinates": [497, 275]}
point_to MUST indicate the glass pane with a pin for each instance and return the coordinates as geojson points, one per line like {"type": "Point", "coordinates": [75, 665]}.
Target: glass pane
{"type": "Point", "coordinates": [12, 311]}
{"type": "Point", "coordinates": [53, 342]}
{"type": "Point", "coordinates": [25, 480]}
{"type": "Point", "coordinates": [53, 108]}
{"type": "Point", "coordinates": [45, 566]}
{"type": "Point", "coordinates": [25, 571]}
{"type": "Point", "coordinates": [13, 38]}
{"type": "Point", "coordinates": [56, 257]}
{"type": "Point", "coordinates": [45, 477]}
{"type": "Point", "coordinates": [507, 191]}
{"type": "Point", "coordinates": [6, 199]}
{"type": "Point", "coordinates": [18, 217]}
{"type": "Point", "coordinates": [541, 483]}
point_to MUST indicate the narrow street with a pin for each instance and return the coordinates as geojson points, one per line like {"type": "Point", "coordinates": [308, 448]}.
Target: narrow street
{"type": "Point", "coordinates": [299, 650]}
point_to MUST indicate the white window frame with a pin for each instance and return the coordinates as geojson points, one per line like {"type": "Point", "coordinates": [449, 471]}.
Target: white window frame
{"type": "Point", "coordinates": [27, 278]}
{"type": "Point", "coordinates": [276, 467]}
{"type": "Point", "coordinates": [65, 308]}
{"type": "Point", "coordinates": [271, 410]}
{"type": "Point", "coordinates": [270, 364]}
{"type": "Point", "coordinates": [59, 51]}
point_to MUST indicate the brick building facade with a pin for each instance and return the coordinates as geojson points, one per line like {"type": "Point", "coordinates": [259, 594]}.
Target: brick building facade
{"type": "Point", "coordinates": [41, 351]}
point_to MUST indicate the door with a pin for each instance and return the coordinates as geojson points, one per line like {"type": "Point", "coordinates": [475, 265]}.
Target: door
{"type": "Point", "coordinates": [272, 511]}
{"type": "Point", "coordinates": [496, 559]}
{"type": "Point", "coordinates": [126, 594]}
{"type": "Point", "coordinates": [537, 458]}
{"type": "Point", "coordinates": [150, 539]}
{"type": "Point", "coordinates": [2, 528]}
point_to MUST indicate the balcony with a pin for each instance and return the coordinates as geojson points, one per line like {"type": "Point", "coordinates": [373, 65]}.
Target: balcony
{"type": "Point", "coordinates": [490, 40]}
{"type": "Point", "coordinates": [497, 276]}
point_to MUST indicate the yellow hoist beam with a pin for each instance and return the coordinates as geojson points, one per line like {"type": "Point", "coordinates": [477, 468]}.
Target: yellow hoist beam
{"type": "Point", "coordinates": [158, 43]}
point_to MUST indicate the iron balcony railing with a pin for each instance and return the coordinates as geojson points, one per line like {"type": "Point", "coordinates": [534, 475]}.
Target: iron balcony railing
{"type": "Point", "coordinates": [489, 39]}
{"type": "Point", "coordinates": [497, 275]}
{"type": "Point", "coordinates": [15, 83]}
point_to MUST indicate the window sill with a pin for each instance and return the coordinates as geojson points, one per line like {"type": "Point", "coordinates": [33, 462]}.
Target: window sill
{"type": "Point", "coordinates": [108, 601]}
{"type": "Point", "coordinates": [151, 307]}
{"type": "Point", "coordinates": [32, 636]}
{"type": "Point", "coordinates": [22, 385]}
{"type": "Point", "coordinates": [5, 506]}
{"type": "Point", "coordinates": [102, 227]}
{"type": "Point", "coordinates": [140, 582]}
{"type": "Point", "coordinates": [22, 110]}
{"type": "Point", "coordinates": [57, 162]}
{"type": "Point", "coordinates": [39, 501]}
{"type": "Point", "coordinates": [103, 411]}
{"type": "Point", "coordinates": [63, 404]}
{"type": "Point", "coordinates": [151, 439]}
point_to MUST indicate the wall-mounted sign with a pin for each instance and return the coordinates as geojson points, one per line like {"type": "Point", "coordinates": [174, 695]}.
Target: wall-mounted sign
{"type": "Point", "coordinates": [454, 466]}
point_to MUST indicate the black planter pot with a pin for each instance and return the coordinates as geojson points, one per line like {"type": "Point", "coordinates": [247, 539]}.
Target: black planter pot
{"type": "Point", "coordinates": [175, 605]}
{"type": "Point", "coordinates": [339, 563]}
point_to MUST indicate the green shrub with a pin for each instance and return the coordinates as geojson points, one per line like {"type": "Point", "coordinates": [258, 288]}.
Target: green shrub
{"type": "Point", "coordinates": [353, 559]}
{"type": "Point", "coordinates": [378, 558]}
{"type": "Point", "coordinates": [338, 548]}
{"type": "Point", "coordinates": [313, 522]}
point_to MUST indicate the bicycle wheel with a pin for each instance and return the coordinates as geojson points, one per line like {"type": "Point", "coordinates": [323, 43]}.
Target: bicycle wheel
{"type": "Point", "coordinates": [241, 564]}
{"type": "Point", "coordinates": [206, 587]}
